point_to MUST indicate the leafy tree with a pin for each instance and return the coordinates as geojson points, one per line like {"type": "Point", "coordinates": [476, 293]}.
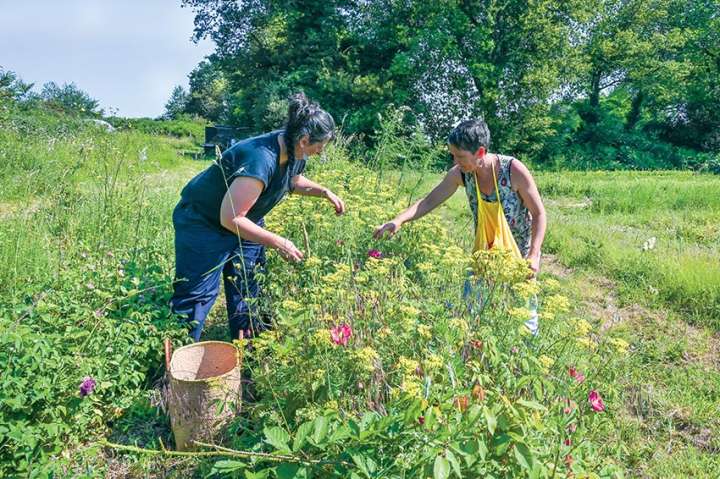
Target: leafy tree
{"type": "Point", "coordinates": [208, 92]}
{"type": "Point", "coordinates": [12, 87]}
{"type": "Point", "coordinates": [541, 72]}
{"type": "Point", "coordinates": [177, 104]}
{"type": "Point", "coordinates": [69, 99]}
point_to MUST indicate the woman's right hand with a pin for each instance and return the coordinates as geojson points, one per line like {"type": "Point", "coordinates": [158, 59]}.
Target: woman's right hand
{"type": "Point", "coordinates": [391, 227]}
{"type": "Point", "coordinates": [288, 251]}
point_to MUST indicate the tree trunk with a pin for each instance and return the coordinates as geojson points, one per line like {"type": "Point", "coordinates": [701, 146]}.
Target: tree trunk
{"type": "Point", "coordinates": [635, 108]}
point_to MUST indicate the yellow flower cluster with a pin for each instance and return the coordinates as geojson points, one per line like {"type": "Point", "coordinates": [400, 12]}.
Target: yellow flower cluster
{"type": "Point", "coordinates": [460, 324]}
{"type": "Point", "coordinates": [312, 262]}
{"type": "Point", "coordinates": [291, 305]}
{"type": "Point", "coordinates": [424, 331]}
{"type": "Point", "coordinates": [367, 357]}
{"type": "Point", "coordinates": [556, 304]}
{"type": "Point", "coordinates": [322, 337]}
{"type": "Point", "coordinates": [384, 332]}
{"type": "Point", "coordinates": [519, 314]}
{"type": "Point", "coordinates": [407, 365]}
{"type": "Point", "coordinates": [526, 289]}
{"type": "Point", "coordinates": [434, 362]}
{"type": "Point", "coordinates": [499, 266]}
{"type": "Point", "coordinates": [409, 310]}
{"type": "Point", "coordinates": [546, 361]}
{"type": "Point", "coordinates": [425, 267]}
{"type": "Point", "coordinates": [340, 276]}
{"type": "Point", "coordinates": [620, 345]}
{"type": "Point", "coordinates": [582, 327]}
{"type": "Point", "coordinates": [411, 386]}
{"type": "Point", "coordinates": [551, 284]}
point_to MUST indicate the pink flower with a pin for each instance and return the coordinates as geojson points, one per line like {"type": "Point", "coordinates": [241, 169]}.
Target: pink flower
{"type": "Point", "coordinates": [596, 401]}
{"type": "Point", "coordinates": [341, 334]}
{"type": "Point", "coordinates": [577, 375]}
{"type": "Point", "coordinates": [572, 427]}
{"type": "Point", "coordinates": [567, 442]}
{"type": "Point", "coordinates": [87, 386]}
{"type": "Point", "coordinates": [421, 420]}
{"type": "Point", "coordinates": [373, 253]}
{"type": "Point", "coordinates": [567, 410]}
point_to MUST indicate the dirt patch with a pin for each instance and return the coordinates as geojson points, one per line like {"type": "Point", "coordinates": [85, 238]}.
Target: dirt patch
{"type": "Point", "coordinates": [567, 202]}
{"type": "Point", "coordinates": [550, 264]}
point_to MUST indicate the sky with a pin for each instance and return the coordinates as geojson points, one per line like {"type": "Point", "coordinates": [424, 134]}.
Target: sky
{"type": "Point", "coordinates": [126, 54]}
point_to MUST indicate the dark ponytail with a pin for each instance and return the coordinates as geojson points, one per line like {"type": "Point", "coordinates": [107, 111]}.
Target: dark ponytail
{"type": "Point", "coordinates": [307, 118]}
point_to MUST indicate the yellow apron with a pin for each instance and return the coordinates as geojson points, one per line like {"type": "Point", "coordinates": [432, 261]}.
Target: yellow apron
{"type": "Point", "coordinates": [493, 230]}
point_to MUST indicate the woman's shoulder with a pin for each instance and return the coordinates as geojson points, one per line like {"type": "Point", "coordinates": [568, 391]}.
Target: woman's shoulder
{"type": "Point", "coordinates": [263, 148]}
{"type": "Point", "coordinates": [520, 174]}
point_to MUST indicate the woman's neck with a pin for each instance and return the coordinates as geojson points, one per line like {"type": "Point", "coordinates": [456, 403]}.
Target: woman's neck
{"type": "Point", "coordinates": [283, 149]}
{"type": "Point", "coordinates": [282, 141]}
{"type": "Point", "coordinates": [486, 163]}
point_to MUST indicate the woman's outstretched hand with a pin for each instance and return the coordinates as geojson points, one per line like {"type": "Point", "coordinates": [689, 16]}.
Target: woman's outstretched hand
{"type": "Point", "coordinates": [391, 227]}
{"type": "Point", "coordinates": [337, 203]}
{"type": "Point", "coordinates": [288, 251]}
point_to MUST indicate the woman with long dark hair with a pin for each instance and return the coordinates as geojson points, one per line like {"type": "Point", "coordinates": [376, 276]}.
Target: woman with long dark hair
{"type": "Point", "coordinates": [219, 226]}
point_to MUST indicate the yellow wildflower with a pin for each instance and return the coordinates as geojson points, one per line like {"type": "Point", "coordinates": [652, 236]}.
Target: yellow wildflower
{"type": "Point", "coordinates": [424, 331]}
{"type": "Point", "coordinates": [546, 361]}
{"type": "Point", "coordinates": [620, 345]}
{"type": "Point", "coordinates": [519, 314]}
{"type": "Point", "coordinates": [291, 305]}
{"type": "Point", "coordinates": [556, 304]}
{"type": "Point", "coordinates": [407, 365]}
{"type": "Point", "coordinates": [384, 332]}
{"type": "Point", "coordinates": [434, 362]}
{"type": "Point", "coordinates": [321, 336]}
{"type": "Point", "coordinates": [367, 357]}
{"type": "Point", "coordinates": [582, 327]}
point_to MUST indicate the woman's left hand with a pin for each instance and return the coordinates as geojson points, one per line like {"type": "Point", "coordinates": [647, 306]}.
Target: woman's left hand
{"type": "Point", "coordinates": [337, 203]}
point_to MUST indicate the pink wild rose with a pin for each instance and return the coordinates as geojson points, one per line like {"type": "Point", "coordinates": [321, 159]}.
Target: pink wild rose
{"type": "Point", "coordinates": [575, 374]}
{"type": "Point", "coordinates": [373, 253]}
{"type": "Point", "coordinates": [596, 401]}
{"type": "Point", "coordinates": [341, 334]}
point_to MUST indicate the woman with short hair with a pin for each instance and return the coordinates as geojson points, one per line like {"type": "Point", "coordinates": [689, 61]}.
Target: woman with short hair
{"type": "Point", "coordinates": [502, 195]}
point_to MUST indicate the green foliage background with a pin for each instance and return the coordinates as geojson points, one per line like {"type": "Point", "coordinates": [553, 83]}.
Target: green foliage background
{"type": "Point", "coordinates": [600, 83]}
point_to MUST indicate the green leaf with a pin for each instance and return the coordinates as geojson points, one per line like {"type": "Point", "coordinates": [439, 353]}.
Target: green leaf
{"type": "Point", "coordinates": [339, 434]}
{"type": "Point", "coordinates": [532, 404]}
{"type": "Point", "coordinates": [320, 430]}
{"type": "Point", "coordinates": [523, 456]}
{"type": "Point", "coordinates": [474, 413]}
{"type": "Point", "coordinates": [360, 461]}
{"type": "Point", "coordinates": [491, 421]}
{"type": "Point", "coordinates": [221, 467]}
{"type": "Point", "coordinates": [277, 438]}
{"type": "Point", "coordinates": [301, 435]}
{"type": "Point", "coordinates": [500, 444]}
{"type": "Point", "coordinates": [257, 475]}
{"type": "Point", "coordinates": [290, 471]}
{"type": "Point", "coordinates": [454, 463]}
{"type": "Point", "coordinates": [442, 468]}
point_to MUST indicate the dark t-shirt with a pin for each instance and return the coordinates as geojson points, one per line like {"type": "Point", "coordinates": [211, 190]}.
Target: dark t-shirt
{"type": "Point", "coordinates": [257, 157]}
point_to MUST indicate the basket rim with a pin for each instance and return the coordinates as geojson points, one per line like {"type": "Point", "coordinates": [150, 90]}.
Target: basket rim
{"type": "Point", "coordinates": [200, 343]}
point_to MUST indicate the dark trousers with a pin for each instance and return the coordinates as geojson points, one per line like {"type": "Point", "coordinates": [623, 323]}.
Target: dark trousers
{"type": "Point", "coordinates": [202, 253]}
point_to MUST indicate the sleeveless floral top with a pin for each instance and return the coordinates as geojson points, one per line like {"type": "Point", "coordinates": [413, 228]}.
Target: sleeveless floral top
{"type": "Point", "coordinates": [516, 213]}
